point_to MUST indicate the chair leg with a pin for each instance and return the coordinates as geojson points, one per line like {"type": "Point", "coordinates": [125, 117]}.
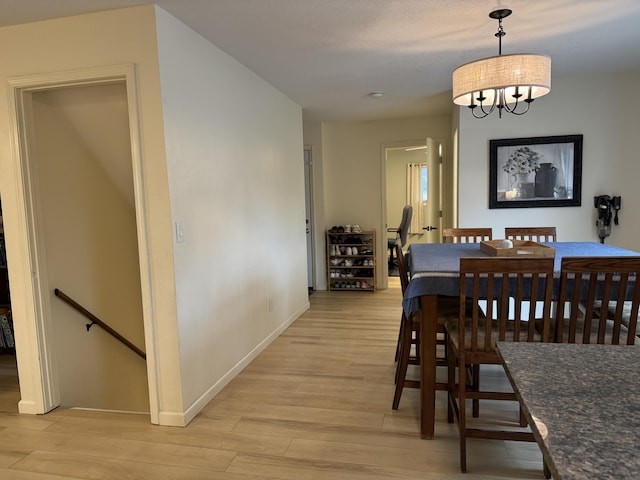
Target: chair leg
{"type": "Point", "coordinates": [462, 415]}
{"type": "Point", "coordinates": [451, 385]}
{"type": "Point", "coordinates": [398, 345]}
{"type": "Point", "coordinates": [545, 469]}
{"type": "Point", "coordinates": [523, 419]}
{"type": "Point", "coordinates": [403, 361]}
{"type": "Point", "coordinates": [475, 386]}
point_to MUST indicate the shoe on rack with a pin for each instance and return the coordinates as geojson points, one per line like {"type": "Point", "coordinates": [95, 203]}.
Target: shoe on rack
{"type": "Point", "coordinates": [348, 262]}
{"type": "Point", "coordinates": [348, 251]}
{"type": "Point", "coordinates": [354, 250]}
{"type": "Point", "coordinates": [347, 229]}
{"type": "Point", "coordinates": [356, 229]}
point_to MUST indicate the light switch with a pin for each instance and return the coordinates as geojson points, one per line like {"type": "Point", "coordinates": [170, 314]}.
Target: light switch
{"type": "Point", "coordinates": [179, 232]}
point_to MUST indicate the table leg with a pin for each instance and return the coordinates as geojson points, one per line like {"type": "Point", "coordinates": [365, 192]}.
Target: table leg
{"type": "Point", "coordinates": [428, 338]}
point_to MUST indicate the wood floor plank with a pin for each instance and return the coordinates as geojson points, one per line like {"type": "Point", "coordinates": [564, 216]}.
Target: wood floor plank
{"type": "Point", "coordinates": [73, 443]}
{"type": "Point", "coordinates": [172, 437]}
{"type": "Point", "coordinates": [90, 467]}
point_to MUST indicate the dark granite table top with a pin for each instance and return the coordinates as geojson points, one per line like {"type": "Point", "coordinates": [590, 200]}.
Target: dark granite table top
{"type": "Point", "coordinates": [583, 405]}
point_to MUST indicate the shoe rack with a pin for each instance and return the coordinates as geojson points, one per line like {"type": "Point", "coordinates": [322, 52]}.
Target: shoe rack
{"type": "Point", "coordinates": [351, 259]}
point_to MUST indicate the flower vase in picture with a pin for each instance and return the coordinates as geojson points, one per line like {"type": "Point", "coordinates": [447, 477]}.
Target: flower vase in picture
{"type": "Point", "coordinates": [545, 180]}
{"type": "Point", "coordinates": [520, 165]}
{"type": "Point", "coordinates": [521, 182]}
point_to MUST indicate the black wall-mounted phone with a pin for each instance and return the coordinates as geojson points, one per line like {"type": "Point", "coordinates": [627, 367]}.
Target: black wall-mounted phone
{"type": "Point", "coordinates": [608, 208]}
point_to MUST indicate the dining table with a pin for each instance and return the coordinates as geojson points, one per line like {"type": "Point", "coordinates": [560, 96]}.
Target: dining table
{"type": "Point", "coordinates": [581, 402]}
{"type": "Point", "coordinates": [434, 270]}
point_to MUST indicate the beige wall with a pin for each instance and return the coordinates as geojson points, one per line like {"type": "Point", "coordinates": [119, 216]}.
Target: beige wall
{"type": "Point", "coordinates": [236, 179]}
{"type": "Point", "coordinates": [91, 243]}
{"type": "Point", "coordinates": [596, 106]}
{"type": "Point", "coordinates": [353, 166]}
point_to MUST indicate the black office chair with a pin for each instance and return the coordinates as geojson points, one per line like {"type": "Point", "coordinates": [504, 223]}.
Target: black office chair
{"type": "Point", "coordinates": [401, 233]}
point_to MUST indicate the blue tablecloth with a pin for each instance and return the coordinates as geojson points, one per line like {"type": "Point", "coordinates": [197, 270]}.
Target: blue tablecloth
{"type": "Point", "coordinates": [435, 267]}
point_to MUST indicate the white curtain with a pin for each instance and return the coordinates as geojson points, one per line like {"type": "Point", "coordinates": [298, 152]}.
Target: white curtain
{"type": "Point", "coordinates": [414, 196]}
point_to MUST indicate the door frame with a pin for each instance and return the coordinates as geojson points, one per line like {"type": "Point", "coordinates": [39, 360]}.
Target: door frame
{"type": "Point", "coordinates": [308, 186]}
{"type": "Point", "coordinates": [444, 194]}
{"type": "Point", "coordinates": [34, 346]}
{"type": "Point", "coordinates": [383, 281]}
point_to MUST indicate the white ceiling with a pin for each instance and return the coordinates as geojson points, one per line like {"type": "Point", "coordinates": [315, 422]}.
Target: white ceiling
{"type": "Point", "coordinates": [328, 55]}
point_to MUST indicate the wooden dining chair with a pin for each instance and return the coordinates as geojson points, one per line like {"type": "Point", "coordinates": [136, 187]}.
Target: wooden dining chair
{"type": "Point", "coordinates": [408, 346]}
{"type": "Point", "coordinates": [611, 285]}
{"type": "Point", "coordinates": [466, 235]}
{"type": "Point", "coordinates": [472, 338]}
{"type": "Point", "coordinates": [408, 337]}
{"type": "Point", "coordinates": [535, 234]}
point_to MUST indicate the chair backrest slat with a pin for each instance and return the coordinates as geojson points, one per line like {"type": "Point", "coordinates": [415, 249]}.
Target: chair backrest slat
{"type": "Point", "coordinates": [466, 235]}
{"type": "Point", "coordinates": [534, 234]}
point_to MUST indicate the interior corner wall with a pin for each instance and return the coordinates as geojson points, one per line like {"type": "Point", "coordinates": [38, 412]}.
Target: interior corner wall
{"type": "Point", "coordinates": [75, 44]}
{"type": "Point", "coordinates": [236, 178]}
{"type": "Point", "coordinates": [596, 106]}
{"type": "Point", "coordinates": [352, 170]}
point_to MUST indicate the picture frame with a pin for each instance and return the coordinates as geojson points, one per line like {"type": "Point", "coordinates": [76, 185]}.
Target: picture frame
{"type": "Point", "coordinates": [535, 172]}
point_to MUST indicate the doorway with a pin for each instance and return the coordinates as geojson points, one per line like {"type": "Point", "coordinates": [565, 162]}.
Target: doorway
{"type": "Point", "coordinates": [79, 198]}
{"type": "Point", "coordinates": [413, 175]}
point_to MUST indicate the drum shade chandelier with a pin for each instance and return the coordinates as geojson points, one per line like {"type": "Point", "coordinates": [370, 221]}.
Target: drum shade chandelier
{"type": "Point", "coordinates": [508, 82]}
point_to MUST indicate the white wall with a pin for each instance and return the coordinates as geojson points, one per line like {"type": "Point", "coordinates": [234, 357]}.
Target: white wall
{"type": "Point", "coordinates": [601, 108]}
{"type": "Point", "coordinates": [353, 165]}
{"type": "Point", "coordinates": [236, 179]}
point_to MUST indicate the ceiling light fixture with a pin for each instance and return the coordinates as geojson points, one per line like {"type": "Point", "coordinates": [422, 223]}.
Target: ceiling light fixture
{"type": "Point", "coordinates": [504, 81]}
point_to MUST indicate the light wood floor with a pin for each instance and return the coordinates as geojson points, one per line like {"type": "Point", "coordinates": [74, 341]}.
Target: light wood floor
{"type": "Point", "coordinates": [316, 405]}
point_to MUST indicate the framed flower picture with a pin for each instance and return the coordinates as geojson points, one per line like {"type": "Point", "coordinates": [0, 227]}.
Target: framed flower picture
{"type": "Point", "coordinates": [535, 172]}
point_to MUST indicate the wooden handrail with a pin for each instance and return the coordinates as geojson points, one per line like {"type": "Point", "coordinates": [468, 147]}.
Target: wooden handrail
{"type": "Point", "coordinates": [95, 320]}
